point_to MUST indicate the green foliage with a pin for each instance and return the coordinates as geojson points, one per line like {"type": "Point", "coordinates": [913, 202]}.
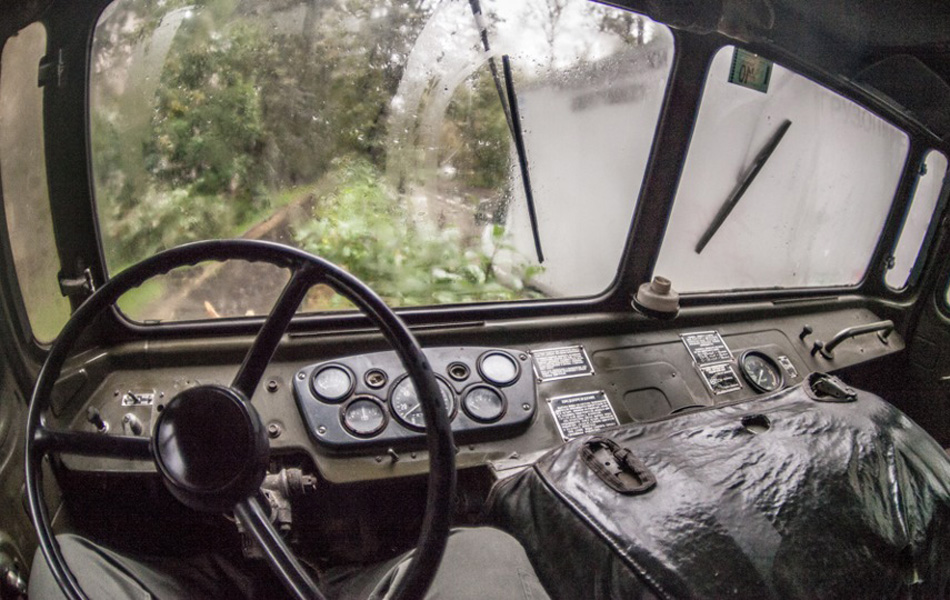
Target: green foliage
{"type": "Point", "coordinates": [363, 227]}
{"type": "Point", "coordinates": [206, 135]}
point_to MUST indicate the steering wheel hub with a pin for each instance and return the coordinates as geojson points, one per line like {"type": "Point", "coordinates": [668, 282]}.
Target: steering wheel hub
{"type": "Point", "coordinates": [211, 447]}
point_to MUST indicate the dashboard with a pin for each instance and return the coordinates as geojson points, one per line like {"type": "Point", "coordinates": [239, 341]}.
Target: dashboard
{"type": "Point", "coordinates": [513, 390]}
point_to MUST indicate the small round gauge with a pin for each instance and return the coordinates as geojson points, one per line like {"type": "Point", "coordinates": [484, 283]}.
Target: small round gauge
{"type": "Point", "coordinates": [332, 383]}
{"type": "Point", "coordinates": [407, 407]}
{"type": "Point", "coordinates": [762, 373]}
{"type": "Point", "coordinates": [363, 416]}
{"type": "Point", "coordinates": [499, 368]}
{"type": "Point", "coordinates": [484, 404]}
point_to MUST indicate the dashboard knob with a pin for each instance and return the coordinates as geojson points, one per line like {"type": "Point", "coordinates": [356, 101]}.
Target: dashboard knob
{"type": "Point", "coordinates": [93, 416]}
{"type": "Point", "coordinates": [131, 424]}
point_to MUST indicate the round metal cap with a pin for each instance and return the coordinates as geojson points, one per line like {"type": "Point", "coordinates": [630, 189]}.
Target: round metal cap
{"type": "Point", "coordinates": [211, 447]}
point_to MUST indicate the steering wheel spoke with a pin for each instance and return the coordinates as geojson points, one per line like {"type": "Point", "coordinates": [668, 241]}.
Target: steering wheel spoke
{"type": "Point", "coordinates": [265, 344]}
{"type": "Point", "coordinates": [290, 571]}
{"type": "Point", "coordinates": [92, 444]}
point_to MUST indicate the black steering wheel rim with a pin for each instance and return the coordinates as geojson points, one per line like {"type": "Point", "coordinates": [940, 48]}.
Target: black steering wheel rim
{"type": "Point", "coordinates": [306, 270]}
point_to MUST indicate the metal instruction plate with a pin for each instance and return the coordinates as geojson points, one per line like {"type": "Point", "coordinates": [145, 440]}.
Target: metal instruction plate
{"type": "Point", "coordinates": [706, 347]}
{"type": "Point", "coordinates": [561, 363]}
{"type": "Point", "coordinates": [721, 378]}
{"type": "Point", "coordinates": [580, 414]}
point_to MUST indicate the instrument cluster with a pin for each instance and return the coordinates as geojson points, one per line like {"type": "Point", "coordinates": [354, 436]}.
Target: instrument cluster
{"type": "Point", "coordinates": [368, 400]}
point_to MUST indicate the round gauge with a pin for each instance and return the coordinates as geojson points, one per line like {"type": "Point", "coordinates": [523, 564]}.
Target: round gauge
{"type": "Point", "coordinates": [498, 368]}
{"type": "Point", "coordinates": [762, 373]}
{"type": "Point", "coordinates": [407, 407]}
{"type": "Point", "coordinates": [484, 404]}
{"type": "Point", "coordinates": [363, 416]}
{"type": "Point", "coordinates": [332, 383]}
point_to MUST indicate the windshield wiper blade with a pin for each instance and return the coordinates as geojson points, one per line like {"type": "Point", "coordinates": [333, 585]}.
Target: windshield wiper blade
{"type": "Point", "coordinates": [522, 154]}
{"type": "Point", "coordinates": [509, 105]}
{"type": "Point", "coordinates": [740, 189]}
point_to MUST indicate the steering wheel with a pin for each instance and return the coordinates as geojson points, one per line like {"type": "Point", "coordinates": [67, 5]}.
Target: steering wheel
{"type": "Point", "coordinates": [220, 468]}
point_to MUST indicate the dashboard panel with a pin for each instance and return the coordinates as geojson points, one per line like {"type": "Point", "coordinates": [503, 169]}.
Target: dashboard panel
{"type": "Point", "coordinates": [367, 400]}
{"type": "Point", "coordinates": [597, 372]}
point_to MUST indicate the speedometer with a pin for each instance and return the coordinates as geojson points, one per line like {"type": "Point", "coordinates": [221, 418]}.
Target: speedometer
{"type": "Point", "coordinates": [408, 408]}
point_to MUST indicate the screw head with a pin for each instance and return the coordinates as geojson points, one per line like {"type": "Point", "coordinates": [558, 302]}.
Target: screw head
{"type": "Point", "coordinates": [272, 385]}
{"type": "Point", "coordinates": [321, 430]}
{"type": "Point", "coordinates": [526, 406]}
{"type": "Point", "coordinates": [301, 376]}
{"type": "Point", "coordinates": [274, 430]}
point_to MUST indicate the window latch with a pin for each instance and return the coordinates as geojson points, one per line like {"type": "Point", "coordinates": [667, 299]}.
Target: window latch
{"type": "Point", "coordinates": [81, 287]}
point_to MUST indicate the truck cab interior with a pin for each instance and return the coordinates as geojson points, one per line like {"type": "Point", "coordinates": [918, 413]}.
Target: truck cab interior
{"type": "Point", "coordinates": [299, 292]}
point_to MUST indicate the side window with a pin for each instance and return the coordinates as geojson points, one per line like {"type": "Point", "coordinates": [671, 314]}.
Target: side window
{"type": "Point", "coordinates": [25, 195]}
{"type": "Point", "coordinates": [914, 236]}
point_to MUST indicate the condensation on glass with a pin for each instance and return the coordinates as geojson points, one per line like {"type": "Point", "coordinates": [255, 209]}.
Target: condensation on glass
{"type": "Point", "coordinates": [25, 195]}
{"type": "Point", "coordinates": [374, 135]}
{"type": "Point", "coordinates": [813, 215]}
{"type": "Point", "coordinates": [917, 224]}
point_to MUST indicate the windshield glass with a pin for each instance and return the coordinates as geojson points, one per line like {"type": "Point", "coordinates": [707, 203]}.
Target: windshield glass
{"type": "Point", "coordinates": [786, 184]}
{"type": "Point", "coordinates": [379, 135]}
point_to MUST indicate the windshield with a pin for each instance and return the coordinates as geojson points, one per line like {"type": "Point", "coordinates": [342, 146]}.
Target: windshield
{"type": "Point", "coordinates": [786, 184]}
{"type": "Point", "coordinates": [378, 135]}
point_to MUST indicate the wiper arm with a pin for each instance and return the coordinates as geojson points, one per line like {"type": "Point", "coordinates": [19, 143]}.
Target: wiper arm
{"type": "Point", "coordinates": [522, 155]}
{"type": "Point", "coordinates": [509, 105]}
{"type": "Point", "coordinates": [740, 189]}
{"type": "Point", "coordinates": [483, 34]}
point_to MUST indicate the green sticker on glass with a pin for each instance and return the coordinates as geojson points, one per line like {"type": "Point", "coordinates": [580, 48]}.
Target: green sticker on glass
{"type": "Point", "coordinates": [750, 70]}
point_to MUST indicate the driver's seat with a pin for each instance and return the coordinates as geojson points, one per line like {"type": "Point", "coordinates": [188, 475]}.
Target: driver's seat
{"type": "Point", "coordinates": [479, 564]}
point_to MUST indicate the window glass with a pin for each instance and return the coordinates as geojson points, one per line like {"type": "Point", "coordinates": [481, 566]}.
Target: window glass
{"type": "Point", "coordinates": [25, 196]}
{"type": "Point", "coordinates": [375, 134]}
{"type": "Point", "coordinates": [917, 222]}
{"type": "Point", "coordinates": [815, 211]}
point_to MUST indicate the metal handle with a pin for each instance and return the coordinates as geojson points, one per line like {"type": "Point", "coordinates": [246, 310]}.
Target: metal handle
{"type": "Point", "coordinates": [883, 329]}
